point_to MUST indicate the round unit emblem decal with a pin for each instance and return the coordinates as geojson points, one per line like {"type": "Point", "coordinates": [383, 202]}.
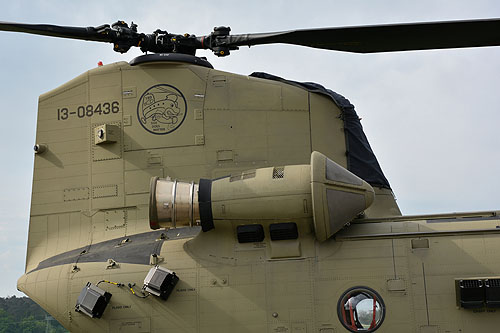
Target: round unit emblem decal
{"type": "Point", "coordinates": [161, 109]}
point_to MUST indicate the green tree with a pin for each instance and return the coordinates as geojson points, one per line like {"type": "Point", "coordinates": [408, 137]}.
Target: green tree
{"type": "Point", "coordinates": [7, 324]}
{"type": "Point", "coordinates": [31, 325]}
{"type": "Point", "coordinates": [21, 314]}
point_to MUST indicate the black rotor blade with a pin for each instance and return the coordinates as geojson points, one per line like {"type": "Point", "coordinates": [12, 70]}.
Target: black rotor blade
{"type": "Point", "coordinates": [384, 38]}
{"type": "Point", "coordinates": [88, 33]}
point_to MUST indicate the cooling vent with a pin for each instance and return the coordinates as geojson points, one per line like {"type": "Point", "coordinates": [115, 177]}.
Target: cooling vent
{"type": "Point", "coordinates": [469, 284]}
{"type": "Point", "coordinates": [278, 172]}
{"type": "Point", "coordinates": [471, 294]}
{"type": "Point", "coordinates": [492, 283]}
{"type": "Point", "coordinates": [477, 293]}
{"type": "Point", "coordinates": [282, 231]}
{"type": "Point", "coordinates": [492, 293]}
{"type": "Point", "coordinates": [250, 233]}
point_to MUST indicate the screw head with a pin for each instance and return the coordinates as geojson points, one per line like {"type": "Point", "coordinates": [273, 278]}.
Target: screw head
{"type": "Point", "coordinates": [39, 148]}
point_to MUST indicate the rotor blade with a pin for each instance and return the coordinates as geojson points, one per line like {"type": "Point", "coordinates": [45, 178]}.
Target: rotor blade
{"type": "Point", "coordinates": [89, 33]}
{"type": "Point", "coordinates": [384, 38]}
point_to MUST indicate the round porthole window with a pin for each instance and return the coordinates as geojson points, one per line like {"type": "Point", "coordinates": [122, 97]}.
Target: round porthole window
{"type": "Point", "coordinates": [361, 309]}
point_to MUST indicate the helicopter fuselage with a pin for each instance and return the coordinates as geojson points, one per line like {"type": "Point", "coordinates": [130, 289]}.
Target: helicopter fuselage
{"type": "Point", "coordinates": [107, 132]}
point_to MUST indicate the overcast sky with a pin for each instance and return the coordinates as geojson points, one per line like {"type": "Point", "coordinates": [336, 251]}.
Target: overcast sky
{"type": "Point", "coordinates": [431, 117]}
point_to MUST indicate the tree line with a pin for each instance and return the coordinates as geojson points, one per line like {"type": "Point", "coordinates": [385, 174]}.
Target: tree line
{"type": "Point", "coordinates": [21, 314]}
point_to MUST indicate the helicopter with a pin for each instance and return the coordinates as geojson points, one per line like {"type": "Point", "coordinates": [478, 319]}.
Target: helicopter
{"type": "Point", "coordinates": [295, 236]}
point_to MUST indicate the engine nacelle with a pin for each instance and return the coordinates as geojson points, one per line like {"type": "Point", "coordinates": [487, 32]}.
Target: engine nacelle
{"type": "Point", "coordinates": [338, 196]}
{"type": "Point", "coordinates": [324, 191]}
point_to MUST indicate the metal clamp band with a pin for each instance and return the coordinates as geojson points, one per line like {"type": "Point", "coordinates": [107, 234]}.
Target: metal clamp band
{"type": "Point", "coordinates": [191, 204]}
{"type": "Point", "coordinates": [153, 214]}
{"type": "Point", "coordinates": [205, 204]}
{"type": "Point", "coordinates": [174, 208]}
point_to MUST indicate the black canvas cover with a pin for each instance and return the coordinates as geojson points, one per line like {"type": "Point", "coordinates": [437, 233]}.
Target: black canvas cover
{"type": "Point", "coordinates": [360, 158]}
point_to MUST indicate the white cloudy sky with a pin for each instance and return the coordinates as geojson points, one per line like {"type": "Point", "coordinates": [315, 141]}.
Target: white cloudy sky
{"type": "Point", "coordinates": [431, 116]}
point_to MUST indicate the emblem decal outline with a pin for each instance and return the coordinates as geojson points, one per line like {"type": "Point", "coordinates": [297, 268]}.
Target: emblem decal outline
{"type": "Point", "coordinates": [161, 109]}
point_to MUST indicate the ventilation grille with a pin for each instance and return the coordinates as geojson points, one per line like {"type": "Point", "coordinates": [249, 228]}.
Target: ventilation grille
{"type": "Point", "coordinates": [492, 291]}
{"type": "Point", "coordinates": [492, 283]}
{"type": "Point", "coordinates": [471, 295]}
{"type": "Point", "coordinates": [469, 284]}
{"type": "Point", "coordinates": [478, 293]}
{"type": "Point", "coordinates": [278, 172]}
{"type": "Point", "coordinates": [250, 233]}
{"type": "Point", "coordinates": [282, 231]}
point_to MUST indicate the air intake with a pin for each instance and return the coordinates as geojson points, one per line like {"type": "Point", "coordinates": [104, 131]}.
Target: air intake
{"type": "Point", "coordinates": [250, 233]}
{"type": "Point", "coordinates": [283, 231]}
{"type": "Point", "coordinates": [471, 293]}
{"type": "Point", "coordinates": [492, 291]}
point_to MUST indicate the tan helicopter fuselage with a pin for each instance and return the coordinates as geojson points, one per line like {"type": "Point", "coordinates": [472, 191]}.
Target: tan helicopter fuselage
{"type": "Point", "coordinates": [101, 138]}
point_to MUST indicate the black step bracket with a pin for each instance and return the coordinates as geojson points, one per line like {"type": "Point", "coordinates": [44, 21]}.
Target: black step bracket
{"type": "Point", "coordinates": [92, 301]}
